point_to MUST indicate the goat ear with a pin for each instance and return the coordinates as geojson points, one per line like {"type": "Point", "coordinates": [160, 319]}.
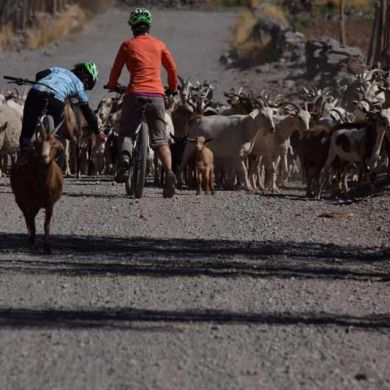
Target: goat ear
{"type": "Point", "coordinates": [208, 140]}
{"type": "Point", "coordinates": [59, 145]}
{"type": "Point", "coordinates": [254, 113]}
{"type": "Point", "coordinates": [191, 140]}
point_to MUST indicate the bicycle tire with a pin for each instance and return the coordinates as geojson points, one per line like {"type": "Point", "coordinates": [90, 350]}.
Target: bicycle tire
{"type": "Point", "coordinates": [129, 184]}
{"type": "Point", "coordinates": [140, 161]}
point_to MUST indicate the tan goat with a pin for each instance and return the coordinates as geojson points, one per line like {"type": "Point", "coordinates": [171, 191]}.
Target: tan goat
{"type": "Point", "coordinates": [204, 164]}
{"type": "Point", "coordinates": [38, 184]}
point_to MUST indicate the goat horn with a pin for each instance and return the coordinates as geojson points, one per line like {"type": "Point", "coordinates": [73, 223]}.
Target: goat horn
{"type": "Point", "coordinates": [371, 73]}
{"type": "Point", "coordinates": [58, 127]}
{"type": "Point", "coordinates": [261, 101]}
{"type": "Point", "coordinates": [290, 104]}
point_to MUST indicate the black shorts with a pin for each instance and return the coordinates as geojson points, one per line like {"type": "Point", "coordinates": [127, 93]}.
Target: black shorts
{"type": "Point", "coordinates": [32, 112]}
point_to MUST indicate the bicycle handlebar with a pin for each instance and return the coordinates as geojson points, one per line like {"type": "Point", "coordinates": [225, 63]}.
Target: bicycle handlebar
{"type": "Point", "coordinates": [18, 80]}
{"type": "Point", "coordinates": [119, 88]}
{"type": "Point", "coordinates": [170, 93]}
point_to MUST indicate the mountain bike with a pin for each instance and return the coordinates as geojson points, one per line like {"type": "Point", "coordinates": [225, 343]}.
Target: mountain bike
{"type": "Point", "coordinates": [137, 171]}
{"type": "Point", "coordinates": [138, 164]}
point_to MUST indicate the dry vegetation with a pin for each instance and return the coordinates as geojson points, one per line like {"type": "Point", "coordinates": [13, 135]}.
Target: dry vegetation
{"type": "Point", "coordinates": [254, 48]}
{"type": "Point", "coordinates": [6, 35]}
{"type": "Point", "coordinates": [95, 6]}
{"type": "Point", "coordinates": [251, 46]}
{"type": "Point", "coordinates": [358, 31]}
{"type": "Point", "coordinates": [357, 5]}
{"type": "Point", "coordinates": [48, 28]}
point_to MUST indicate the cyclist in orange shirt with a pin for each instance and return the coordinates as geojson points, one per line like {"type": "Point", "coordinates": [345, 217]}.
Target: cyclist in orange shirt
{"type": "Point", "coordinates": [143, 56]}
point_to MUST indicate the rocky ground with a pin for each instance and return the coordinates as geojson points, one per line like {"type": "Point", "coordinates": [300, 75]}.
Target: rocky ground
{"type": "Point", "coordinates": [235, 291]}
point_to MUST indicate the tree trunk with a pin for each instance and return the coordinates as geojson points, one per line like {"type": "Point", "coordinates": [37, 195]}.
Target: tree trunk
{"type": "Point", "coordinates": [343, 38]}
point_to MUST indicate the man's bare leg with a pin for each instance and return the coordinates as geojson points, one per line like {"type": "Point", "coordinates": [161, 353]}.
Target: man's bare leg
{"type": "Point", "coordinates": [164, 153]}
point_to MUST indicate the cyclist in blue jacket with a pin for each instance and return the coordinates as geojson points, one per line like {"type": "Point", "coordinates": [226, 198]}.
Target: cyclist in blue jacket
{"type": "Point", "coordinates": [63, 84]}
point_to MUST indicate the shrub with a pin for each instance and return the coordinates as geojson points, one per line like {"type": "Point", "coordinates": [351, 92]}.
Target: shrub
{"type": "Point", "coordinates": [55, 29]}
{"type": "Point", "coordinates": [6, 36]}
{"type": "Point", "coordinates": [333, 5]}
{"type": "Point", "coordinates": [249, 46]}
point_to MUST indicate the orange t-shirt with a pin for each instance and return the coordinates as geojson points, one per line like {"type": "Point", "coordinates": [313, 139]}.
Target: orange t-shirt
{"type": "Point", "coordinates": [143, 56]}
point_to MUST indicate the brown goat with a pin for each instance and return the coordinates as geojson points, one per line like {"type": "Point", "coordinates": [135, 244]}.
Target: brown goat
{"type": "Point", "coordinates": [38, 184]}
{"type": "Point", "coordinates": [204, 165]}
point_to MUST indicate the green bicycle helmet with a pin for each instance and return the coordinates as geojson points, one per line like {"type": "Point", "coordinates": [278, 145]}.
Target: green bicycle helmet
{"type": "Point", "coordinates": [140, 15]}
{"type": "Point", "coordinates": [92, 70]}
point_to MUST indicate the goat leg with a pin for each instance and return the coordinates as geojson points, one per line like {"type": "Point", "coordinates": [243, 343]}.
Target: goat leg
{"type": "Point", "coordinates": [207, 179]}
{"type": "Point", "coordinates": [243, 176]}
{"type": "Point", "coordinates": [29, 217]}
{"type": "Point", "coordinates": [30, 222]}
{"type": "Point", "coordinates": [48, 215]}
{"type": "Point", "coordinates": [211, 179]}
{"type": "Point", "coordinates": [199, 183]}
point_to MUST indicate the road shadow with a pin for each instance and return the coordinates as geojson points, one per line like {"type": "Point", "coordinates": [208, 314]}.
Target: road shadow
{"type": "Point", "coordinates": [158, 319]}
{"type": "Point", "coordinates": [91, 256]}
{"type": "Point", "coordinates": [95, 196]}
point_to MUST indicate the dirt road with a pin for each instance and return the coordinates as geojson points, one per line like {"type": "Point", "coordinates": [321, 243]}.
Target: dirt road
{"type": "Point", "coordinates": [196, 39]}
{"type": "Point", "coordinates": [235, 291]}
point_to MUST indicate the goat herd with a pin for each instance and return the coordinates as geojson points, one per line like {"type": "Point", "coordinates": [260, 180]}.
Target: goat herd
{"type": "Point", "coordinates": [334, 137]}
{"type": "Point", "coordinates": [338, 138]}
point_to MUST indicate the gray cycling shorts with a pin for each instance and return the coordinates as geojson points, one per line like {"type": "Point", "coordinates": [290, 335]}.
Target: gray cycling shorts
{"type": "Point", "coordinates": [155, 118]}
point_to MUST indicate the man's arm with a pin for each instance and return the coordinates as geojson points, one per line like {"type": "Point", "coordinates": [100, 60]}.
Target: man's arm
{"type": "Point", "coordinates": [90, 117]}
{"type": "Point", "coordinates": [116, 70]}
{"type": "Point", "coordinates": [170, 66]}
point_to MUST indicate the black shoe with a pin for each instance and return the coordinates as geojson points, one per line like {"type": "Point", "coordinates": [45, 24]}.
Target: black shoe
{"type": "Point", "coordinates": [122, 175]}
{"type": "Point", "coordinates": [170, 185]}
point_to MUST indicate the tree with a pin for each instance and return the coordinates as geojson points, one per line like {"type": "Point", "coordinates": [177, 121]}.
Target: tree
{"type": "Point", "coordinates": [379, 49]}
{"type": "Point", "coordinates": [343, 38]}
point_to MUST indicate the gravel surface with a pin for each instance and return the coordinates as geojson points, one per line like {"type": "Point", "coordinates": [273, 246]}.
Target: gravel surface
{"type": "Point", "coordinates": [235, 291]}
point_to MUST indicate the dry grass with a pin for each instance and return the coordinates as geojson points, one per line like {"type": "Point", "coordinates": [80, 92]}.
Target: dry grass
{"type": "Point", "coordinates": [243, 41]}
{"type": "Point", "coordinates": [93, 7]}
{"type": "Point", "coordinates": [358, 31]}
{"type": "Point", "coordinates": [6, 36]}
{"type": "Point", "coordinates": [54, 30]}
{"type": "Point", "coordinates": [357, 5]}
{"type": "Point", "coordinates": [49, 29]}
{"type": "Point", "coordinates": [243, 28]}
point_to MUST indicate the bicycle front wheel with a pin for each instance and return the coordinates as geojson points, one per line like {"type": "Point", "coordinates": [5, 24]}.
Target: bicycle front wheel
{"type": "Point", "coordinates": [140, 161]}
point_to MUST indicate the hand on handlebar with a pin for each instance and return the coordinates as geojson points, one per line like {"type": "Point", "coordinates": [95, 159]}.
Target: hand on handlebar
{"type": "Point", "coordinates": [118, 89]}
{"type": "Point", "coordinates": [169, 92]}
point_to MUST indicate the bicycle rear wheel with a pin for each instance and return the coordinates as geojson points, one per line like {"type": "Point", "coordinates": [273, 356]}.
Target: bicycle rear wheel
{"type": "Point", "coordinates": [137, 177]}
